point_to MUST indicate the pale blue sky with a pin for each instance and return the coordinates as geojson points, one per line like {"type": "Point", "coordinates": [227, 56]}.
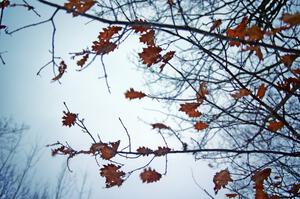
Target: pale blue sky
{"type": "Point", "coordinates": [38, 102]}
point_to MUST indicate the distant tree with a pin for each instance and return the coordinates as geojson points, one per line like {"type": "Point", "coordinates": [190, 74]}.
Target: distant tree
{"type": "Point", "coordinates": [17, 172]}
{"type": "Point", "coordinates": [227, 69]}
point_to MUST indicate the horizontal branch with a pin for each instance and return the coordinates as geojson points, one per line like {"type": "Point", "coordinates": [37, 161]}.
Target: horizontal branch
{"type": "Point", "coordinates": [194, 151]}
{"type": "Point", "coordinates": [175, 27]}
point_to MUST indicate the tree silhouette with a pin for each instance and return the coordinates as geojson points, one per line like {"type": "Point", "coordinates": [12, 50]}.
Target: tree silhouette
{"type": "Point", "coordinates": [227, 70]}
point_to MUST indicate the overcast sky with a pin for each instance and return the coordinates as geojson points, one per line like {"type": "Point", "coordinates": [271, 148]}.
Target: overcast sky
{"type": "Point", "coordinates": [38, 102]}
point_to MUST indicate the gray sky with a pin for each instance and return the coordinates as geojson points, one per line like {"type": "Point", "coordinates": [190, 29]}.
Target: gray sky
{"type": "Point", "coordinates": [38, 102]}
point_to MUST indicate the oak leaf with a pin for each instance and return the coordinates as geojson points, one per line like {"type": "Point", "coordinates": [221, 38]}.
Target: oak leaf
{"type": "Point", "coordinates": [231, 195]}
{"type": "Point", "coordinates": [254, 33]}
{"type": "Point", "coordinates": [159, 126]}
{"type": "Point", "coordinates": [255, 49]}
{"type": "Point", "coordinates": [202, 92]}
{"type": "Point", "coordinates": [149, 175]}
{"type": "Point", "coordinates": [238, 32]}
{"type": "Point", "coordinates": [216, 24]}
{"type": "Point", "coordinates": [221, 179]}
{"type": "Point", "coordinates": [112, 174]}
{"type": "Point", "coordinates": [190, 109]}
{"type": "Point", "coordinates": [150, 55]}
{"type": "Point", "coordinates": [166, 58]}
{"type": "Point", "coordinates": [144, 151]}
{"type": "Point", "coordinates": [80, 6]}
{"type": "Point", "coordinates": [258, 179]}
{"type": "Point", "coordinates": [103, 47]}
{"type": "Point", "coordinates": [107, 151]}
{"type": "Point", "coordinates": [132, 94]}
{"type": "Point", "coordinates": [69, 119]}
{"type": "Point", "coordinates": [241, 93]}
{"type": "Point", "coordinates": [276, 30]}
{"type": "Point", "coordinates": [4, 4]}
{"type": "Point", "coordinates": [82, 61]}
{"type": "Point", "coordinates": [148, 38]}
{"type": "Point", "coordinates": [140, 26]}
{"type": "Point", "coordinates": [291, 19]}
{"type": "Point", "coordinates": [288, 59]}
{"type": "Point", "coordinates": [275, 125]}
{"type": "Point", "coordinates": [200, 126]}
{"type": "Point", "coordinates": [297, 71]}
{"type": "Point", "coordinates": [295, 189]}
{"type": "Point", "coordinates": [161, 151]}
{"type": "Point", "coordinates": [108, 33]}
{"type": "Point", "coordinates": [261, 91]}
{"type": "Point", "coordinates": [61, 70]}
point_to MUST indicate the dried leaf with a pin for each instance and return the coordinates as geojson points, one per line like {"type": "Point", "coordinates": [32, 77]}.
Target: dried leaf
{"type": "Point", "coordinates": [231, 195]}
{"type": "Point", "coordinates": [202, 92]}
{"type": "Point", "coordinates": [241, 93]}
{"type": "Point", "coordinates": [140, 26]}
{"type": "Point", "coordinates": [145, 151]}
{"type": "Point", "coordinates": [200, 126]}
{"type": "Point", "coordinates": [221, 179]}
{"type": "Point", "coordinates": [238, 32]}
{"type": "Point", "coordinates": [261, 91]}
{"type": "Point", "coordinates": [261, 175]}
{"type": "Point", "coordinates": [61, 70]}
{"type": "Point", "coordinates": [150, 55]}
{"type": "Point", "coordinates": [80, 6]}
{"type": "Point", "coordinates": [148, 38]}
{"type": "Point", "coordinates": [166, 58]}
{"type": "Point", "coordinates": [82, 61]}
{"type": "Point", "coordinates": [297, 71]}
{"type": "Point", "coordinates": [257, 51]}
{"type": "Point", "coordinates": [150, 176]}
{"type": "Point", "coordinates": [159, 126]}
{"type": "Point", "coordinates": [254, 33]}
{"type": "Point", "coordinates": [4, 4]}
{"type": "Point", "coordinates": [291, 19]}
{"type": "Point", "coordinates": [275, 125]}
{"type": "Point", "coordinates": [215, 25]}
{"type": "Point", "coordinates": [108, 33]}
{"type": "Point", "coordinates": [277, 30]}
{"type": "Point", "coordinates": [288, 59]}
{"type": "Point", "coordinates": [190, 109]}
{"type": "Point", "coordinates": [161, 151]}
{"type": "Point", "coordinates": [107, 151]}
{"type": "Point", "coordinates": [132, 94]}
{"type": "Point", "coordinates": [295, 189]}
{"type": "Point", "coordinates": [69, 119]}
{"type": "Point", "coordinates": [103, 47]}
{"type": "Point", "coordinates": [112, 174]}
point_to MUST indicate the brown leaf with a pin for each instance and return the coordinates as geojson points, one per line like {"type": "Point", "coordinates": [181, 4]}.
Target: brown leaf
{"type": "Point", "coordinates": [108, 33]}
{"type": "Point", "coordinates": [166, 58]}
{"type": "Point", "coordinates": [103, 47]}
{"type": "Point", "coordinates": [140, 26]}
{"type": "Point", "coordinates": [107, 151]}
{"type": "Point", "coordinates": [297, 71]}
{"type": "Point", "coordinates": [150, 176]}
{"type": "Point", "coordinates": [215, 25]}
{"type": "Point", "coordinates": [61, 70]}
{"type": "Point", "coordinates": [69, 119]}
{"type": "Point", "coordinates": [82, 61]}
{"type": "Point", "coordinates": [291, 19]}
{"type": "Point", "coordinates": [190, 109]}
{"type": "Point", "coordinates": [231, 195]}
{"type": "Point", "coordinates": [238, 32]}
{"type": "Point", "coordinates": [159, 126]}
{"type": "Point", "coordinates": [295, 189]}
{"type": "Point", "coordinates": [132, 94]}
{"type": "Point", "coordinates": [275, 125]}
{"type": "Point", "coordinates": [221, 179]}
{"type": "Point", "coordinates": [4, 4]}
{"type": "Point", "coordinates": [112, 174]}
{"type": "Point", "coordinates": [241, 93]}
{"type": "Point", "coordinates": [148, 38]}
{"type": "Point", "coordinates": [145, 151]}
{"type": "Point", "coordinates": [161, 151]}
{"type": "Point", "coordinates": [257, 51]}
{"type": "Point", "coordinates": [171, 2]}
{"type": "Point", "coordinates": [202, 92]}
{"type": "Point", "coordinates": [200, 126]}
{"type": "Point", "coordinates": [150, 55]}
{"type": "Point", "coordinates": [254, 33]}
{"type": "Point", "coordinates": [277, 30]}
{"type": "Point", "coordinates": [288, 59]}
{"type": "Point", "coordinates": [261, 175]}
{"type": "Point", "coordinates": [261, 91]}
{"type": "Point", "coordinates": [80, 6]}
